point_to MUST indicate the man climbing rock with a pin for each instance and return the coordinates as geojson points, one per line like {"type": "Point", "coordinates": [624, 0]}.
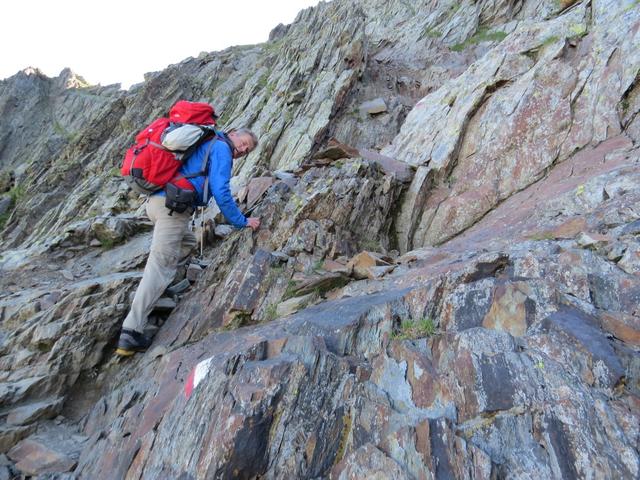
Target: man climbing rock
{"type": "Point", "coordinates": [172, 240]}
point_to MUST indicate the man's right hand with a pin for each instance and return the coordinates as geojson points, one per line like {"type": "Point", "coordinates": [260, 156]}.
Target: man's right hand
{"type": "Point", "coordinates": [253, 222]}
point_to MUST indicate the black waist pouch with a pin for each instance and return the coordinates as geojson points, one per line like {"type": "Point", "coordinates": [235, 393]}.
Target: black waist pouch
{"type": "Point", "coordinates": [179, 199]}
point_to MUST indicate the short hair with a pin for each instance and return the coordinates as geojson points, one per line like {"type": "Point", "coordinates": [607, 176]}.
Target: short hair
{"type": "Point", "coordinates": [246, 131]}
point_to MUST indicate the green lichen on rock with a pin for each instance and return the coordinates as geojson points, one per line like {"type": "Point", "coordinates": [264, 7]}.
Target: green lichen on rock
{"type": "Point", "coordinates": [482, 35]}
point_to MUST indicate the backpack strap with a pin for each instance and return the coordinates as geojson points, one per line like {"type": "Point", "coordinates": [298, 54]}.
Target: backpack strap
{"type": "Point", "coordinates": [205, 164]}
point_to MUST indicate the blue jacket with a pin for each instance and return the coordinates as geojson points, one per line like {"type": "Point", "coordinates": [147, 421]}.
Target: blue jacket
{"type": "Point", "coordinates": [220, 163]}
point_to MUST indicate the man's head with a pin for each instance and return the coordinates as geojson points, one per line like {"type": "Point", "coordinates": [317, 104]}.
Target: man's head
{"type": "Point", "coordinates": [244, 141]}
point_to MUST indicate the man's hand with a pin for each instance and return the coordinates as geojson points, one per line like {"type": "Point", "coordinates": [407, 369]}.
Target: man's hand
{"type": "Point", "coordinates": [253, 222]}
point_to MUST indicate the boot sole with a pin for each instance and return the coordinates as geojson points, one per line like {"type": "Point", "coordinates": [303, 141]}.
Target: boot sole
{"type": "Point", "coordinates": [125, 353]}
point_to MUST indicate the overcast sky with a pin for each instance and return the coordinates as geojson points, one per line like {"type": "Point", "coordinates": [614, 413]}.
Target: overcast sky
{"type": "Point", "coordinates": [118, 41]}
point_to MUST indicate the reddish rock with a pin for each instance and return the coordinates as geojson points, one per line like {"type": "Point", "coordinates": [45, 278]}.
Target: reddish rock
{"type": "Point", "coordinates": [426, 384]}
{"type": "Point", "coordinates": [336, 150]}
{"type": "Point", "coordinates": [592, 240]}
{"type": "Point", "coordinates": [512, 310]}
{"type": "Point", "coordinates": [367, 462]}
{"type": "Point", "coordinates": [34, 458]}
{"type": "Point", "coordinates": [363, 263]}
{"type": "Point", "coordinates": [334, 266]}
{"type": "Point", "coordinates": [569, 228]}
{"type": "Point", "coordinates": [256, 188]}
{"type": "Point", "coordinates": [622, 326]}
{"type": "Point", "coordinates": [390, 166]}
{"type": "Point", "coordinates": [9, 436]}
{"type": "Point", "coordinates": [35, 411]}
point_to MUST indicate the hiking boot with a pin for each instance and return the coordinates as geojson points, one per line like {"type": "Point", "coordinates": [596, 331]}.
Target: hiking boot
{"type": "Point", "coordinates": [131, 342]}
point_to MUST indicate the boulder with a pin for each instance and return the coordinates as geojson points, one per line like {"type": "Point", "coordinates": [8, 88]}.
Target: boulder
{"type": "Point", "coordinates": [373, 107]}
{"type": "Point", "coordinates": [30, 413]}
{"type": "Point", "coordinates": [364, 265]}
{"type": "Point", "coordinates": [35, 458]}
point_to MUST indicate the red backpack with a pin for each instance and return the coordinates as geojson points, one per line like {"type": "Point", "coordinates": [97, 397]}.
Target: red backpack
{"type": "Point", "coordinates": [149, 165]}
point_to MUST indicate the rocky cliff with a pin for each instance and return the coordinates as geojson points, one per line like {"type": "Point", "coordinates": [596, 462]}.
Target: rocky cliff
{"type": "Point", "coordinates": [446, 280]}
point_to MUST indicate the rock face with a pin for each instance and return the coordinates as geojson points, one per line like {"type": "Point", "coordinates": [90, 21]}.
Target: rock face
{"type": "Point", "coordinates": [445, 283]}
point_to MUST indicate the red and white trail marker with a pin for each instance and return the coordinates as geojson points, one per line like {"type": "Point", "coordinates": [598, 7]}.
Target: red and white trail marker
{"type": "Point", "coordinates": [196, 376]}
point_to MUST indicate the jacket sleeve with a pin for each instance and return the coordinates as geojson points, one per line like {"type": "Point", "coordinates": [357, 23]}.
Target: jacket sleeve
{"type": "Point", "coordinates": [219, 177]}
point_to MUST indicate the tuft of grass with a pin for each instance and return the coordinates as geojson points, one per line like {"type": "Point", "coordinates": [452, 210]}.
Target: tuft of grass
{"type": "Point", "coordinates": [482, 35]}
{"type": "Point", "coordinates": [271, 312]}
{"type": "Point", "coordinates": [290, 290]}
{"type": "Point", "coordinates": [410, 329]}
{"type": "Point", "coordinates": [542, 236]}
{"type": "Point", "coordinates": [431, 33]}
{"type": "Point", "coordinates": [3, 219]}
{"type": "Point", "coordinates": [549, 40]}
{"type": "Point", "coordinates": [370, 245]}
{"type": "Point", "coordinates": [107, 243]}
{"type": "Point", "coordinates": [17, 193]}
{"type": "Point", "coordinates": [624, 103]}
{"type": "Point", "coordinates": [578, 30]}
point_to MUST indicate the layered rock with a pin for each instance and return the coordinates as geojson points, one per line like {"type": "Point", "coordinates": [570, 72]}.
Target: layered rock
{"type": "Point", "coordinates": [327, 344]}
{"type": "Point", "coordinates": [549, 89]}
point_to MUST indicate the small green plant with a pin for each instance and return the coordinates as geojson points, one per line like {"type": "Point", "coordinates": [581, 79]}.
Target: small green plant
{"type": "Point", "coordinates": [549, 40]}
{"type": "Point", "coordinates": [431, 33]}
{"type": "Point", "coordinates": [274, 273]}
{"type": "Point", "coordinates": [578, 29]}
{"type": "Point", "coordinates": [225, 117]}
{"type": "Point", "coordinates": [63, 132]}
{"type": "Point", "coordinates": [290, 290]}
{"type": "Point", "coordinates": [3, 219]}
{"type": "Point", "coordinates": [107, 243]}
{"type": "Point", "coordinates": [370, 245]}
{"type": "Point", "coordinates": [271, 312]}
{"type": "Point", "coordinates": [17, 193]}
{"type": "Point", "coordinates": [482, 35]}
{"type": "Point", "coordinates": [624, 103]}
{"type": "Point", "coordinates": [542, 236]}
{"type": "Point", "coordinates": [273, 46]}
{"type": "Point", "coordinates": [410, 329]}
{"type": "Point", "coordinates": [59, 129]}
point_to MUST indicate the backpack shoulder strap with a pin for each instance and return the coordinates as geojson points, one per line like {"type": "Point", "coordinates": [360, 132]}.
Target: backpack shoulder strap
{"type": "Point", "coordinates": [205, 162]}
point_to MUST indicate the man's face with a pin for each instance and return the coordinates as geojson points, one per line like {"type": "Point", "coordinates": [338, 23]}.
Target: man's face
{"type": "Point", "coordinates": [243, 144]}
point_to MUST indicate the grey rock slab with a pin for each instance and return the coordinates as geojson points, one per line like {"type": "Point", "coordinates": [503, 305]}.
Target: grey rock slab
{"type": "Point", "coordinates": [402, 171]}
{"type": "Point", "coordinates": [372, 107]}
{"type": "Point", "coordinates": [583, 329]}
{"type": "Point", "coordinates": [294, 304]}
{"type": "Point", "coordinates": [9, 435]}
{"type": "Point", "coordinates": [194, 272]}
{"type": "Point", "coordinates": [67, 275]}
{"type": "Point", "coordinates": [5, 204]}
{"type": "Point", "coordinates": [164, 304]}
{"type": "Point", "coordinates": [179, 287]}
{"type": "Point", "coordinates": [30, 413]}
{"type": "Point", "coordinates": [632, 228]}
{"type": "Point", "coordinates": [35, 458]}
{"type": "Point", "coordinates": [630, 261]}
{"type": "Point", "coordinates": [223, 230]}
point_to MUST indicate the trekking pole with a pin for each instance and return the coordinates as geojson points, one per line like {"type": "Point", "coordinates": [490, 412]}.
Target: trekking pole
{"type": "Point", "coordinates": [202, 232]}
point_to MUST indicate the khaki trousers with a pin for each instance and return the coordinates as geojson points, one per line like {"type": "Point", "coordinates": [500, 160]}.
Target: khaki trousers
{"type": "Point", "coordinates": [172, 243]}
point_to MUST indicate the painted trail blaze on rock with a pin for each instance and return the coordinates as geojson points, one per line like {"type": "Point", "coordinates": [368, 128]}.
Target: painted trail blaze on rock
{"type": "Point", "coordinates": [198, 373]}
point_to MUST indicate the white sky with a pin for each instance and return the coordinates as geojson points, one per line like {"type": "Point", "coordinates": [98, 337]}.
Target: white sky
{"type": "Point", "coordinates": [118, 41]}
